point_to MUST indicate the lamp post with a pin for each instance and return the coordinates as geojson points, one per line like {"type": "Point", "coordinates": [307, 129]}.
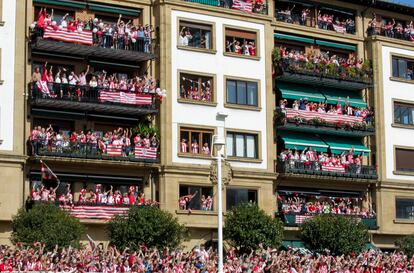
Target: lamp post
{"type": "Point", "coordinates": [219, 142]}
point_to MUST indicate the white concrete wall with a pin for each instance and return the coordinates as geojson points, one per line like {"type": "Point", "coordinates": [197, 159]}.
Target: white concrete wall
{"type": "Point", "coordinates": [395, 90]}
{"type": "Point", "coordinates": [219, 65]}
{"type": "Point", "coordinates": [7, 45]}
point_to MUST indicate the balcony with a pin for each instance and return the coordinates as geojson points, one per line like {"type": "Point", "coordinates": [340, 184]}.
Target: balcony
{"type": "Point", "coordinates": [247, 6]}
{"type": "Point", "coordinates": [293, 219]}
{"type": "Point", "coordinates": [315, 168]}
{"type": "Point", "coordinates": [328, 123]}
{"type": "Point", "coordinates": [321, 74]}
{"type": "Point", "coordinates": [65, 44]}
{"type": "Point", "coordinates": [100, 151]}
{"type": "Point", "coordinates": [395, 30]}
{"type": "Point", "coordinates": [87, 99]}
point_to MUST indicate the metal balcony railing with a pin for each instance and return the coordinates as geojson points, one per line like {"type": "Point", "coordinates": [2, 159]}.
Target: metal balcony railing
{"type": "Point", "coordinates": [255, 7]}
{"type": "Point", "coordinates": [316, 168]}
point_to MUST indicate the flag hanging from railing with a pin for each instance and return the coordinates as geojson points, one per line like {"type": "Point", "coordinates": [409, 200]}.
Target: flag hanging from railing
{"type": "Point", "coordinates": [94, 212]}
{"type": "Point", "coordinates": [125, 98]}
{"type": "Point", "coordinates": [114, 150]}
{"type": "Point", "coordinates": [243, 5]}
{"type": "Point", "coordinates": [142, 152]}
{"type": "Point", "coordinates": [62, 34]}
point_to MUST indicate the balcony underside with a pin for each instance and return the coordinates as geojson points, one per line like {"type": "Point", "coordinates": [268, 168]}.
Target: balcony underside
{"type": "Point", "coordinates": [88, 107]}
{"type": "Point", "coordinates": [321, 81]}
{"type": "Point", "coordinates": [40, 46]}
{"type": "Point", "coordinates": [326, 130]}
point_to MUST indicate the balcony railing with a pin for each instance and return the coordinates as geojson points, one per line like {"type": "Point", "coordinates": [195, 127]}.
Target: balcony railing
{"type": "Point", "coordinates": [87, 98]}
{"type": "Point", "coordinates": [316, 168]}
{"type": "Point", "coordinates": [94, 151]}
{"type": "Point", "coordinates": [321, 74]}
{"type": "Point", "coordinates": [332, 123]}
{"type": "Point", "coordinates": [297, 219]}
{"type": "Point", "coordinates": [257, 7]}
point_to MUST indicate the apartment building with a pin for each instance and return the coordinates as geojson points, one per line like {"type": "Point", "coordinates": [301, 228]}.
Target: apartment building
{"type": "Point", "coordinates": [268, 76]}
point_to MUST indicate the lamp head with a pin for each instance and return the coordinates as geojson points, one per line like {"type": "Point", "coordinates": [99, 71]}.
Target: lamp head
{"type": "Point", "coordinates": [219, 142]}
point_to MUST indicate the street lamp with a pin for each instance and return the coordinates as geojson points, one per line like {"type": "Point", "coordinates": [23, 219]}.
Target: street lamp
{"type": "Point", "coordinates": [219, 142]}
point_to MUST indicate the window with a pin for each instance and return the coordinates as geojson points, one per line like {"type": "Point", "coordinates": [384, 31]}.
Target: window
{"type": "Point", "coordinates": [242, 92]}
{"type": "Point", "coordinates": [242, 145]}
{"type": "Point", "coordinates": [235, 197]}
{"type": "Point", "coordinates": [403, 113]}
{"type": "Point", "coordinates": [195, 141]}
{"type": "Point", "coordinates": [196, 88]}
{"type": "Point", "coordinates": [404, 160]}
{"type": "Point", "coordinates": [241, 42]}
{"type": "Point", "coordinates": [195, 35]}
{"type": "Point", "coordinates": [202, 197]}
{"type": "Point", "coordinates": [404, 208]}
{"type": "Point", "coordinates": [402, 68]}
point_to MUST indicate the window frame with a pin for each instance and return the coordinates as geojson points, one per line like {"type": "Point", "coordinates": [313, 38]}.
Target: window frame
{"type": "Point", "coordinates": [213, 77]}
{"type": "Point", "coordinates": [213, 49]}
{"type": "Point", "coordinates": [399, 57]}
{"type": "Point", "coordinates": [399, 172]}
{"type": "Point", "coordinates": [256, 190]}
{"type": "Point", "coordinates": [256, 134]}
{"type": "Point", "coordinates": [394, 121]}
{"type": "Point", "coordinates": [193, 128]}
{"type": "Point", "coordinates": [403, 198]}
{"type": "Point", "coordinates": [257, 42]}
{"type": "Point", "coordinates": [242, 106]}
{"type": "Point", "coordinates": [199, 186]}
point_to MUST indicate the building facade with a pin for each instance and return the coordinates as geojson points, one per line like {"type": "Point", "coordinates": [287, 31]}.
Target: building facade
{"type": "Point", "coordinates": [313, 101]}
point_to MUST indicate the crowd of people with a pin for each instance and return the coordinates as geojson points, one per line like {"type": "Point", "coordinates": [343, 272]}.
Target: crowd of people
{"type": "Point", "coordinates": [198, 260]}
{"type": "Point", "coordinates": [319, 160]}
{"type": "Point", "coordinates": [116, 35]}
{"type": "Point", "coordinates": [195, 147]}
{"type": "Point", "coordinates": [297, 204]}
{"type": "Point", "coordinates": [326, 21]}
{"type": "Point", "coordinates": [241, 46]}
{"type": "Point", "coordinates": [206, 203]}
{"type": "Point", "coordinates": [99, 196]}
{"type": "Point", "coordinates": [89, 141]}
{"type": "Point", "coordinates": [67, 83]}
{"type": "Point", "coordinates": [391, 28]}
{"type": "Point", "coordinates": [323, 107]}
{"type": "Point", "coordinates": [194, 90]}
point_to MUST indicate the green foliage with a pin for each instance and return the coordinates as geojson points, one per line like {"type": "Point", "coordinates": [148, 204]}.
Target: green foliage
{"type": "Point", "coordinates": [247, 226]}
{"type": "Point", "coordinates": [339, 234]}
{"type": "Point", "coordinates": [147, 226]}
{"type": "Point", "coordinates": [48, 224]}
{"type": "Point", "coordinates": [406, 245]}
{"type": "Point", "coordinates": [145, 129]}
{"type": "Point", "coordinates": [276, 55]}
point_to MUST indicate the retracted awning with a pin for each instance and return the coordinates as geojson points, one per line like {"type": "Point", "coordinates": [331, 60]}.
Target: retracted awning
{"type": "Point", "coordinates": [293, 244]}
{"type": "Point", "coordinates": [63, 3]}
{"type": "Point", "coordinates": [339, 145]}
{"type": "Point", "coordinates": [293, 38]}
{"type": "Point", "coordinates": [336, 45]}
{"type": "Point", "coordinates": [297, 92]}
{"type": "Point", "coordinates": [134, 12]}
{"type": "Point", "coordinates": [333, 96]}
{"type": "Point", "coordinates": [301, 141]}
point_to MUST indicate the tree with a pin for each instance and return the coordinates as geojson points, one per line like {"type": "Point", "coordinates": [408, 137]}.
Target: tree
{"type": "Point", "coordinates": [147, 226]}
{"type": "Point", "coordinates": [406, 245]}
{"type": "Point", "coordinates": [247, 226]}
{"type": "Point", "coordinates": [48, 224]}
{"type": "Point", "coordinates": [339, 234]}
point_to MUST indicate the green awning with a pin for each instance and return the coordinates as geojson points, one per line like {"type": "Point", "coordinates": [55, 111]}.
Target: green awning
{"type": "Point", "coordinates": [339, 144]}
{"type": "Point", "coordinates": [293, 38]}
{"type": "Point", "coordinates": [336, 45]}
{"type": "Point", "coordinates": [301, 141]}
{"type": "Point", "coordinates": [333, 96]}
{"type": "Point", "coordinates": [134, 12]}
{"type": "Point", "coordinates": [369, 246]}
{"type": "Point", "coordinates": [63, 3]}
{"type": "Point", "coordinates": [293, 244]}
{"type": "Point", "coordinates": [296, 92]}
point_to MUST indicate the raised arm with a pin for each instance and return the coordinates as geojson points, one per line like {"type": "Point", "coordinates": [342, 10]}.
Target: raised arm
{"type": "Point", "coordinates": [87, 70]}
{"type": "Point", "coordinates": [119, 19]}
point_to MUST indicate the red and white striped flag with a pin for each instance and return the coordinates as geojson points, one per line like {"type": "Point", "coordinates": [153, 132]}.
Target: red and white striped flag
{"type": "Point", "coordinates": [142, 152]}
{"type": "Point", "coordinates": [114, 150]}
{"type": "Point", "coordinates": [125, 97]}
{"type": "Point", "coordinates": [94, 212]}
{"type": "Point", "coordinates": [243, 5]}
{"type": "Point", "coordinates": [42, 86]}
{"type": "Point", "coordinates": [79, 37]}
